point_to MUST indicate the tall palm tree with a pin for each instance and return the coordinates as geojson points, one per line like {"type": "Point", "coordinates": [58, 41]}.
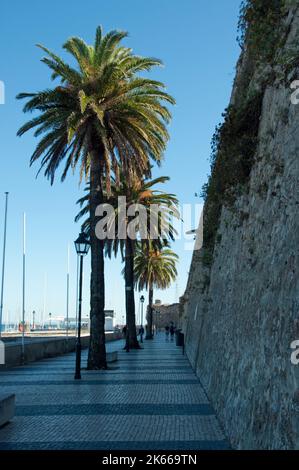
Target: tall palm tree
{"type": "Point", "coordinates": [154, 268]}
{"type": "Point", "coordinates": [99, 116]}
{"type": "Point", "coordinates": [142, 193]}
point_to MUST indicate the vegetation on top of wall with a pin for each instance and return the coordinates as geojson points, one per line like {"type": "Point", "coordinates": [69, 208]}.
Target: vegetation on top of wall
{"type": "Point", "coordinates": [233, 150]}
{"type": "Point", "coordinates": [235, 141]}
{"type": "Point", "coordinates": [259, 28]}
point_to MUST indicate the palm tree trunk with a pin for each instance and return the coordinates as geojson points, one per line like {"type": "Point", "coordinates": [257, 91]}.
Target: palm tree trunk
{"type": "Point", "coordinates": [132, 342]}
{"type": "Point", "coordinates": [149, 332]}
{"type": "Point", "coordinates": [97, 348]}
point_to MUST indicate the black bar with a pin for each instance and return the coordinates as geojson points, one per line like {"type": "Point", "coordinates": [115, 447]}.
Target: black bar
{"type": "Point", "coordinates": [157, 457]}
{"type": "Point", "coordinates": [78, 342]}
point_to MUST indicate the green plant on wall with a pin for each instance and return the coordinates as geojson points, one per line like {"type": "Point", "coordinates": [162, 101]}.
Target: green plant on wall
{"type": "Point", "coordinates": [259, 27]}
{"type": "Point", "coordinates": [233, 150]}
{"type": "Point", "coordinates": [234, 145]}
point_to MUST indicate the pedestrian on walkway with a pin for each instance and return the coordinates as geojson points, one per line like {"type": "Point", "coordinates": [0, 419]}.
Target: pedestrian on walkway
{"type": "Point", "coordinates": [126, 337]}
{"type": "Point", "coordinates": [141, 333]}
{"type": "Point", "coordinates": [171, 329]}
{"type": "Point", "coordinates": [167, 333]}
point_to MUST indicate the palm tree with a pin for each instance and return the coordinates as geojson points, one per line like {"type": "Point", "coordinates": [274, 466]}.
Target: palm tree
{"type": "Point", "coordinates": [154, 268]}
{"type": "Point", "coordinates": [142, 193]}
{"type": "Point", "coordinates": [101, 115]}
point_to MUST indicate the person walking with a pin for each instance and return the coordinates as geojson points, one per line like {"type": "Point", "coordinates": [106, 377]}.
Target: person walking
{"type": "Point", "coordinates": [126, 337]}
{"type": "Point", "coordinates": [141, 333]}
{"type": "Point", "coordinates": [167, 333]}
{"type": "Point", "coordinates": [171, 330]}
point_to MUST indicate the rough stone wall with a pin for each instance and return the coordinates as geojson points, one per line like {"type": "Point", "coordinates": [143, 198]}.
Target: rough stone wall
{"type": "Point", "coordinates": [164, 314]}
{"type": "Point", "coordinates": [239, 328]}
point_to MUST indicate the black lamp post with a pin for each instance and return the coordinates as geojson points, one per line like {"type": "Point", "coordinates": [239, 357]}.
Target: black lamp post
{"type": "Point", "coordinates": [142, 299]}
{"type": "Point", "coordinates": [82, 246]}
{"type": "Point", "coordinates": [157, 317]}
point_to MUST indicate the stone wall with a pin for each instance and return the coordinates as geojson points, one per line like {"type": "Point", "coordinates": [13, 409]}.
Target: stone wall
{"type": "Point", "coordinates": [164, 314]}
{"type": "Point", "coordinates": [37, 349]}
{"type": "Point", "coordinates": [239, 325]}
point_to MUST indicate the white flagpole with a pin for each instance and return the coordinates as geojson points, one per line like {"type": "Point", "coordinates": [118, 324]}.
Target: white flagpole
{"type": "Point", "coordinates": [77, 292]}
{"type": "Point", "coordinates": [7, 319]}
{"type": "Point", "coordinates": [67, 290]}
{"type": "Point", "coordinates": [24, 285]}
{"type": "Point", "coordinates": [45, 299]}
{"type": "Point", "coordinates": [83, 282]}
{"type": "Point", "coordinates": [3, 260]}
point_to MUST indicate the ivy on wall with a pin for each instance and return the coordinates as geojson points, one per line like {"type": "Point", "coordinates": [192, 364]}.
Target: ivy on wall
{"type": "Point", "coordinates": [233, 150]}
{"type": "Point", "coordinates": [235, 141]}
{"type": "Point", "coordinates": [258, 27]}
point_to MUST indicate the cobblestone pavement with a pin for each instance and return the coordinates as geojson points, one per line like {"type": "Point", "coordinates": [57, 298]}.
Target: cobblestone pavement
{"type": "Point", "coordinates": [149, 399]}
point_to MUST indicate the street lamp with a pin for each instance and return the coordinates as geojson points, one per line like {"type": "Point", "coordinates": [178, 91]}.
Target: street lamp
{"type": "Point", "coordinates": [157, 318]}
{"type": "Point", "coordinates": [142, 299]}
{"type": "Point", "coordinates": [3, 261]}
{"type": "Point", "coordinates": [82, 246]}
{"type": "Point", "coordinates": [50, 315]}
{"type": "Point", "coordinates": [33, 320]}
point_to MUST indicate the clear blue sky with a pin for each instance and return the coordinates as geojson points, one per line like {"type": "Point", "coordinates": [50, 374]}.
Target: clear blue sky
{"type": "Point", "coordinates": [196, 40]}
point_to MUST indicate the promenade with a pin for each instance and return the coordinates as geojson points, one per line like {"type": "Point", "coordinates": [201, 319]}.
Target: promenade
{"type": "Point", "coordinates": [149, 399]}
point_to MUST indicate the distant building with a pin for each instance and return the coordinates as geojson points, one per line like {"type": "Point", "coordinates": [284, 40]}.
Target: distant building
{"type": "Point", "coordinates": [163, 314]}
{"type": "Point", "coordinates": [109, 316]}
{"type": "Point", "coordinates": [85, 323]}
{"type": "Point", "coordinates": [108, 323]}
{"type": "Point", "coordinates": [54, 323]}
{"type": "Point", "coordinates": [109, 313]}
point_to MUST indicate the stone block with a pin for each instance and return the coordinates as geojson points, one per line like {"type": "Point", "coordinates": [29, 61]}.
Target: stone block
{"type": "Point", "coordinates": [111, 356]}
{"type": "Point", "coordinates": [7, 408]}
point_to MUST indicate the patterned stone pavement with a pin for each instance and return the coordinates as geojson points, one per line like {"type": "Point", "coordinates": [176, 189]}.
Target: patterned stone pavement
{"type": "Point", "coordinates": [149, 399]}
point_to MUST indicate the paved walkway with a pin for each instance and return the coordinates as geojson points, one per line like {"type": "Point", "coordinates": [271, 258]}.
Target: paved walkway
{"type": "Point", "coordinates": [150, 399]}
